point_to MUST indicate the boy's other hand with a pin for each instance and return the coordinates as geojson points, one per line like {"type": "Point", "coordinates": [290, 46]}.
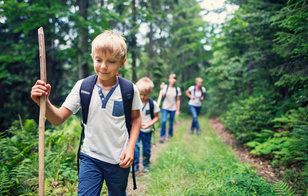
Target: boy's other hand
{"type": "Point", "coordinates": [127, 158]}
{"type": "Point", "coordinates": [40, 88]}
{"type": "Point", "coordinates": [145, 126]}
{"type": "Point", "coordinates": [177, 113]}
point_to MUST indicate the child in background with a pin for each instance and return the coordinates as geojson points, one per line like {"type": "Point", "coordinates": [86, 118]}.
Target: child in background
{"type": "Point", "coordinates": [108, 149]}
{"type": "Point", "coordinates": [145, 86]}
{"type": "Point", "coordinates": [171, 105]}
{"type": "Point", "coordinates": [196, 95]}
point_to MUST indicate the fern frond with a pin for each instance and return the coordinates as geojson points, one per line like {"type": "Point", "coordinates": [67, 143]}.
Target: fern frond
{"type": "Point", "coordinates": [282, 188]}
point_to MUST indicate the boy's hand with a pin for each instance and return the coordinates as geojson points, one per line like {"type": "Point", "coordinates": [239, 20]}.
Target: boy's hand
{"type": "Point", "coordinates": [144, 126]}
{"type": "Point", "coordinates": [177, 113]}
{"type": "Point", "coordinates": [127, 158]}
{"type": "Point", "coordinates": [193, 97]}
{"type": "Point", "coordinates": [40, 88]}
{"type": "Point", "coordinates": [201, 98]}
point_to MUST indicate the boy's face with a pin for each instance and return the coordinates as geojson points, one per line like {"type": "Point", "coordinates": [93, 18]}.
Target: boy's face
{"type": "Point", "coordinates": [144, 95]}
{"type": "Point", "coordinates": [106, 65]}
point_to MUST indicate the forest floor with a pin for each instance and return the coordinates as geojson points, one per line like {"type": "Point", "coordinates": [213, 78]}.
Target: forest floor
{"type": "Point", "coordinates": [262, 167]}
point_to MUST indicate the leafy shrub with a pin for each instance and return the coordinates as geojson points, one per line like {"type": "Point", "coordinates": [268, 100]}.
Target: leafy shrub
{"type": "Point", "coordinates": [289, 147]}
{"type": "Point", "coordinates": [19, 158]}
{"type": "Point", "coordinates": [248, 117]}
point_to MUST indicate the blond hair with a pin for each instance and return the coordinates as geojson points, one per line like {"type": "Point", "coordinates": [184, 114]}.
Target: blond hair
{"type": "Point", "coordinates": [110, 42]}
{"type": "Point", "coordinates": [199, 79]}
{"type": "Point", "coordinates": [145, 84]}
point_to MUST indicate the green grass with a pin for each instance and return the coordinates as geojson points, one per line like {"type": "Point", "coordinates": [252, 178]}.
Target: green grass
{"type": "Point", "coordinates": [202, 165]}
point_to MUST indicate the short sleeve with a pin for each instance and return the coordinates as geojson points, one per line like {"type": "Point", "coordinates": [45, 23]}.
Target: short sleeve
{"type": "Point", "coordinates": [191, 88]}
{"type": "Point", "coordinates": [156, 107]}
{"type": "Point", "coordinates": [179, 91]}
{"type": "Point", "coordinates": [137, 104]}
{"type": "Point", "coordinates": [203, 89]}
{"type": "Point", "coordinates": [72, 101]}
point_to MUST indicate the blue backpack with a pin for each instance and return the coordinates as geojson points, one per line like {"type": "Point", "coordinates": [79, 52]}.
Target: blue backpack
{"type": "Point", "coordinates": [86, 89]}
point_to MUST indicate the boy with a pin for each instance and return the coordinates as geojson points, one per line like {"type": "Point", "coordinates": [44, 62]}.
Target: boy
{"type": "Point", "coordinates": [108, 150]}
{"type": "Point", "coordinates": [145, 86]}
{"type": "Point", "coordinates": [196, 95]}
{"type": "Point", "coordinates": [171, 105]}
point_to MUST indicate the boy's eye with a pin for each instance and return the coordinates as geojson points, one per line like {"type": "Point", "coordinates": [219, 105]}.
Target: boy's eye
{"type": "Point", "coordinates": [111, 61]}
{"type": "Point", "coordinates": [98, 60]}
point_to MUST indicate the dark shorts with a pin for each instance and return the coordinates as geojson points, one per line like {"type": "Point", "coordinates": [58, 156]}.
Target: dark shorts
{"type": "Point", "coordinates": [94, 172]}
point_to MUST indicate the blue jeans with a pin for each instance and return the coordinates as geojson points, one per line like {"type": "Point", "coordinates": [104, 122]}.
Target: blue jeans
{"type": "Point", "coordinates": [94, 172]}
{"type": "Point", "coordinates": [146, 148]}
{"type": "Point", "coordinates": [195, 124]}
{"type": "Point", "coordinates": [164, 121]}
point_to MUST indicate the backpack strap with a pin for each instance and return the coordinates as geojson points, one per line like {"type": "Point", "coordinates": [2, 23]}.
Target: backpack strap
{"type": "Point", "coordinates": [85, 93]}
{"type": "Point", "coordinates": [151, 107]}
{"type": "Point", "coordinates": [127, 91]}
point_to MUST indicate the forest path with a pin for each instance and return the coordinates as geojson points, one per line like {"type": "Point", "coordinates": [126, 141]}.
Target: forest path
{"type": "Point", "coordinates": [141, 178]}
{"type": "Point", "coordinates": [262, 167]}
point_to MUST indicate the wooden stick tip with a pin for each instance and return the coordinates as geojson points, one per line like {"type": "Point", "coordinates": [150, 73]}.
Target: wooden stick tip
{"type": "Point", "coordinates": [40, 30]}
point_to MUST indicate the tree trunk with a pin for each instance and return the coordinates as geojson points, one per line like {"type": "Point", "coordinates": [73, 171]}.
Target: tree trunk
{"type": "Point", "coordinates": [134, 41]}
{"type": "Point", "coordinates": [83, 40]}
{"type": "Point", "coordinates": [151, 52]}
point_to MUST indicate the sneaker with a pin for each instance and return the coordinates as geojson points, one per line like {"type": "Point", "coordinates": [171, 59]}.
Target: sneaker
{"type": "Point", "coordinates": [198, 132]}
{"type": "Point", "coordinates": [162, 139]}
{"type": "Point", "coordinates": [169, 138]}
{"type": "Point", "coordinates": [191, 131]}
{"type": "Point", "coordinates": [146, 169]}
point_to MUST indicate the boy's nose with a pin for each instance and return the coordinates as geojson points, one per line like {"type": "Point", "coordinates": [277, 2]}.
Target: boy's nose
{"type": "Point", "coordinates": [103, 65]}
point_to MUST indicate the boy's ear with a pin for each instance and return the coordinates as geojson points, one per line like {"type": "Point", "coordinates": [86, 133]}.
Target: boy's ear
{"type": "Point", "coordinates": [124, 60]}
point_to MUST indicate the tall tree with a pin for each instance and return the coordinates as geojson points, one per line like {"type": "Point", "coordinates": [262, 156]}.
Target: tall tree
{"type": "Point", "coordinates": [83, 37]}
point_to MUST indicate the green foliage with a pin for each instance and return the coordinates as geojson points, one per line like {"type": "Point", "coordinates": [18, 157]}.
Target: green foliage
{"type": "Point", "coordinates": [248, 117]}
{"type": "Point", "coordinates": [282, 188]}
{"type": "Point", "coordinates": [19, 158]}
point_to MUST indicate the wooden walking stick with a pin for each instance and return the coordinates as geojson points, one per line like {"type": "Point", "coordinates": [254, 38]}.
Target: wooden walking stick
{"type": "Point", "coordinates": [42, 111]}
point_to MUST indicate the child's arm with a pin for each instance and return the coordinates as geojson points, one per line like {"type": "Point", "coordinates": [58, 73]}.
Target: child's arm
{"type": "Point", "coordinates": [127, 157]}
{"type": "Point", "coordinates": [154, 120]}
{"type": "Point", "coordinates": [56, 116]}
{"type": "Point", "coordinates": [178, 104]}
{"type": "Point", "coordinates": [161, 88]}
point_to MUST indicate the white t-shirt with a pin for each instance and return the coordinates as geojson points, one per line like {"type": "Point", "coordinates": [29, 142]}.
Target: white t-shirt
{"type": "Point", "coordinates": [196, 102]}
{"type": "Point", "coordinates": [146, 116]}
{"type": "Point", "coordinates": [169, 102]}
{"type": "Point", "coordinates": [106, 135]}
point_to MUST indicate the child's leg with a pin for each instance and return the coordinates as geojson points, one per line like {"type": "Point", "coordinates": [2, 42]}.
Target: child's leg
{"type": "Point", "coordinates": [91, 176]}
{"type": "Point", "coordinates": [171, 118]}
{"type": "Point", "coordinates": [146, 142]}
{"type": "Point", "coordinates": [137, 153]}
{"type": "Point", "coordinates": [163, 123]}
{"type": "Point", "coordinates": [116, 179]}
{"type": "Point", "coordinates": [193, 113]}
